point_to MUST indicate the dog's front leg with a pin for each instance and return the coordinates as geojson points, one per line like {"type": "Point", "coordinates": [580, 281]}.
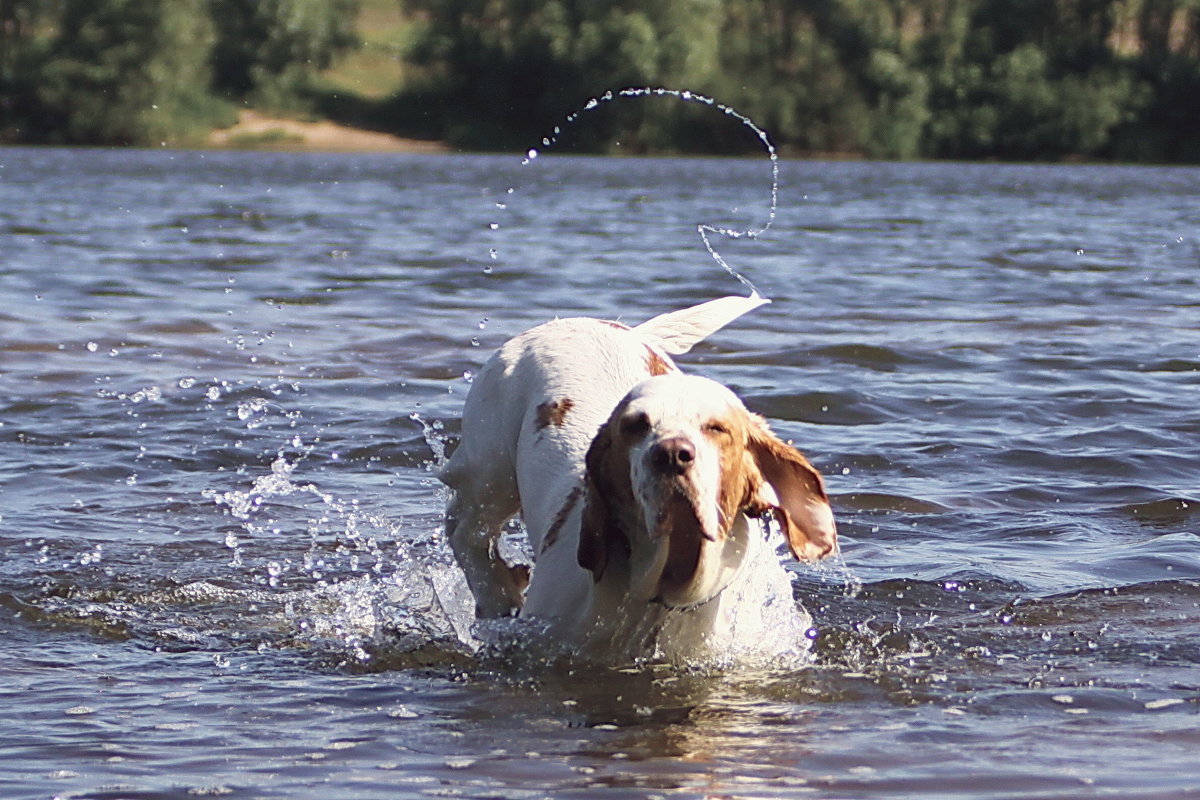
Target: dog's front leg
{"type": "Point", "coordinates": [473, 530]}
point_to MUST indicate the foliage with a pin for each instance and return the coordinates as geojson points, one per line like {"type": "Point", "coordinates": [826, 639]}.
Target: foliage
{"type": "Point", "coordinates": [124, 71]}
{"type": "Point", "coordinates": [1025, 79]}
{"type": "Point", "coordinates": [269, 47]}
{"type": "Point", "coordinates": [1017, 79]}
{"type": "Point", "coordinates": [147, 71]}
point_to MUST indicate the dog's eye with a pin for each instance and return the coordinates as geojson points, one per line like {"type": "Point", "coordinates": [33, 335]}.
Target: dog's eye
{"type": "Point", "coordinates": [635, 425]}
{"type": "Point", "coordinates": [716, 428]}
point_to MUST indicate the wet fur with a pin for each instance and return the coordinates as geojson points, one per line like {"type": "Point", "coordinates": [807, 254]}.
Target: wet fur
{"type": "Point", "coordinates": [637, 485]}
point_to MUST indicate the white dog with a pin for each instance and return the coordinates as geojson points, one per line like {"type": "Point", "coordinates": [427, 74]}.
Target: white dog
{"type": "Point", "coordinates": [637, 485]}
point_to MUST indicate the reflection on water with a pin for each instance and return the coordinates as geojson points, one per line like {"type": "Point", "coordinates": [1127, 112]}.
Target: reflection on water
{"type": "Point", "coordinates": [225, 380]}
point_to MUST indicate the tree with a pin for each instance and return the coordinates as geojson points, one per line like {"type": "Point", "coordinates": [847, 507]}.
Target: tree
{"type": "Point", "coordinates": [21, 54]}
{"type": "Point", "coordinates": [126, 71]}
{"type": "Point", "coordinates": [266, 47]}
{"type": "Point", "coordinates": [1025, 79]}
{"type": "Point", "coordinates": [146, 71]}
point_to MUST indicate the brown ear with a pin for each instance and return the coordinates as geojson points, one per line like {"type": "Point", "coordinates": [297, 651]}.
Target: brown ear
{"type": "Point", "coordinates": [800, 504]}
{"type": "Point", "coordinates": [599, 532]}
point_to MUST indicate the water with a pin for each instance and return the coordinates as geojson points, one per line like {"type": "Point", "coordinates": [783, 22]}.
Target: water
{"type": "Point", "coordinates": [224, 378]}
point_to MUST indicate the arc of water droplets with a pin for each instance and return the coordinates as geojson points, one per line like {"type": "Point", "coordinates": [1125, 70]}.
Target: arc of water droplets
{"type": "Point", "coordinates": [704, 229]}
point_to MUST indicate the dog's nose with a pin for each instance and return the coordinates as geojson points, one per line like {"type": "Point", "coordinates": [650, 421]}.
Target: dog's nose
{"type": "Point", "coordinates": [673, 456]}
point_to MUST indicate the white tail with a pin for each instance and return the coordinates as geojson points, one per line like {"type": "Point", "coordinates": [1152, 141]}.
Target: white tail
{"type": "Point", "coordinates": [677, 331]}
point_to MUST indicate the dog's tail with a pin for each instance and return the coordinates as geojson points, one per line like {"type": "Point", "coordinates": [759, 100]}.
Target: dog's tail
{"type": "Point", "coordinates": [677, 331]}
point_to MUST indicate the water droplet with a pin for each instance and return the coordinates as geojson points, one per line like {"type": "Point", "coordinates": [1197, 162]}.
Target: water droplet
{"type": "Point", "coordinates": [494, 226]}
{"type": "Point", "coordinates": [92, 347]}
{"type": "Point", "coordinates": [532, 154]}
{"type": "Point", "coordinates": [251, 407]}
{"type": "Point", "coordinates": [403, 712]}
{"type": "Point", "coordinates": [468, 376]}
{"type": "Point", "coordinates": [483, 323]}
{"type": "Point", "coordinates": [474, 341]}
{"type": "Point", "coordinates": [487, 269]}
{"type": "Point", "coordinates": [492, 254]}
{"type": "Point", "coordinates": [187, 383]}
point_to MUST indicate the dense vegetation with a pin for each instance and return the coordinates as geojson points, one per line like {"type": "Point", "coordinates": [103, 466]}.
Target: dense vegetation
{"type": "Point", "coordinates": [147, 71]}
{"type": "Point", "coordinates": [1020, 79]}
{"type": "Point", "coordinates": [1027, 79]}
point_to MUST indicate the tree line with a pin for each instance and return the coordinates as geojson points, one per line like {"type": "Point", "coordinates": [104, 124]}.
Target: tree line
{"type": "Point", "coordinates": [150, 71]}
{"type": "Point", "coordinates": [1011, 79]}
{"type": "Point", "coordinates": [1015, 79]}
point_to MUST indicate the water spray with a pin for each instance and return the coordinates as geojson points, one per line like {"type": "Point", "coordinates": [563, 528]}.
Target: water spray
{"type": "Point", "coordinates": [704, 229]}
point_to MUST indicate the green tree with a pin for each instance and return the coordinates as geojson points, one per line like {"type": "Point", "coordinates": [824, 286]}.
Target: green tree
{"type": "Point", "coordinates": [266, 49]}
{"type": "Point", "coordinates": [501, 71]}
{"type": "Point", "coordinates": [22, 51]}
{"type": "Point", "coordinates": [127, 72]}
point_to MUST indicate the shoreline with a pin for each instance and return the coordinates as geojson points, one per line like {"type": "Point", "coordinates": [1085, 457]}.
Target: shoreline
{"type": "Point", "coordinates": [257, 131]}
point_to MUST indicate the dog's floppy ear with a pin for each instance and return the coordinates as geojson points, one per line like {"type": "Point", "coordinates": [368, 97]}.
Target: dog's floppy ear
{"type": "Point", "coordinates": [599, 532]}
{"type": "Point", "coordinates": [797, 499]}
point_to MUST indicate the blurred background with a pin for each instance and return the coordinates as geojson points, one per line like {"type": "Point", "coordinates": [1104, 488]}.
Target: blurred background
{"type": "Point", "coordinates": [893, 79]}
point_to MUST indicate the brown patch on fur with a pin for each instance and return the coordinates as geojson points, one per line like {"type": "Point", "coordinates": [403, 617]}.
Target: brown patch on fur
{"type": "Point", "coordinates": [656, 364]}
{"type": "Point", "coordinates": [685, 535]}
{"type": "Point", "coordinates": [803, 512]}
{"type": "Point", "coordinates": [606, 482]}
{"type": "Point", "coordinates": [553, 412]}
{"type": "Point", "coordinates": [740, 477]}
{"type": "Point", "coordinates": [560, 518]}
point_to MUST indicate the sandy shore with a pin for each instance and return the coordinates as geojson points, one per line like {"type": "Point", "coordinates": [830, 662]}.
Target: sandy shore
{"type": "Point", "coordinates": [254, 130]}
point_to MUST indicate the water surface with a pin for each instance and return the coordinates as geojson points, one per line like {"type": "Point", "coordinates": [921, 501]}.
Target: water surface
{"type": "Point", "coordinates": [225, 378]}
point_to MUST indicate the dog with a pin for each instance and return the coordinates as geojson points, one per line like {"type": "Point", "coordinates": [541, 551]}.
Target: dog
{"type": "Point", "coordinates": [640, 489]}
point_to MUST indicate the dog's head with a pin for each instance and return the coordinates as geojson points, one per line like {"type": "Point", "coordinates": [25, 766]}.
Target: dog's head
{"type": "Point", "coordinates": [678, 463]}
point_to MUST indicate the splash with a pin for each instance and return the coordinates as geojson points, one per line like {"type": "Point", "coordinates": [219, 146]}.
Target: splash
{"type": "Point", "coordinates": [363, 588]}
{"type": "Point", "coordinates": [434, 435]}
{"type": "Point", "coordinates": [705, 230]}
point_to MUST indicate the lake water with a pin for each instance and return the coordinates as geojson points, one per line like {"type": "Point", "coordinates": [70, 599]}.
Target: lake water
{"type": "Point", "coordinates": [225, 378]}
